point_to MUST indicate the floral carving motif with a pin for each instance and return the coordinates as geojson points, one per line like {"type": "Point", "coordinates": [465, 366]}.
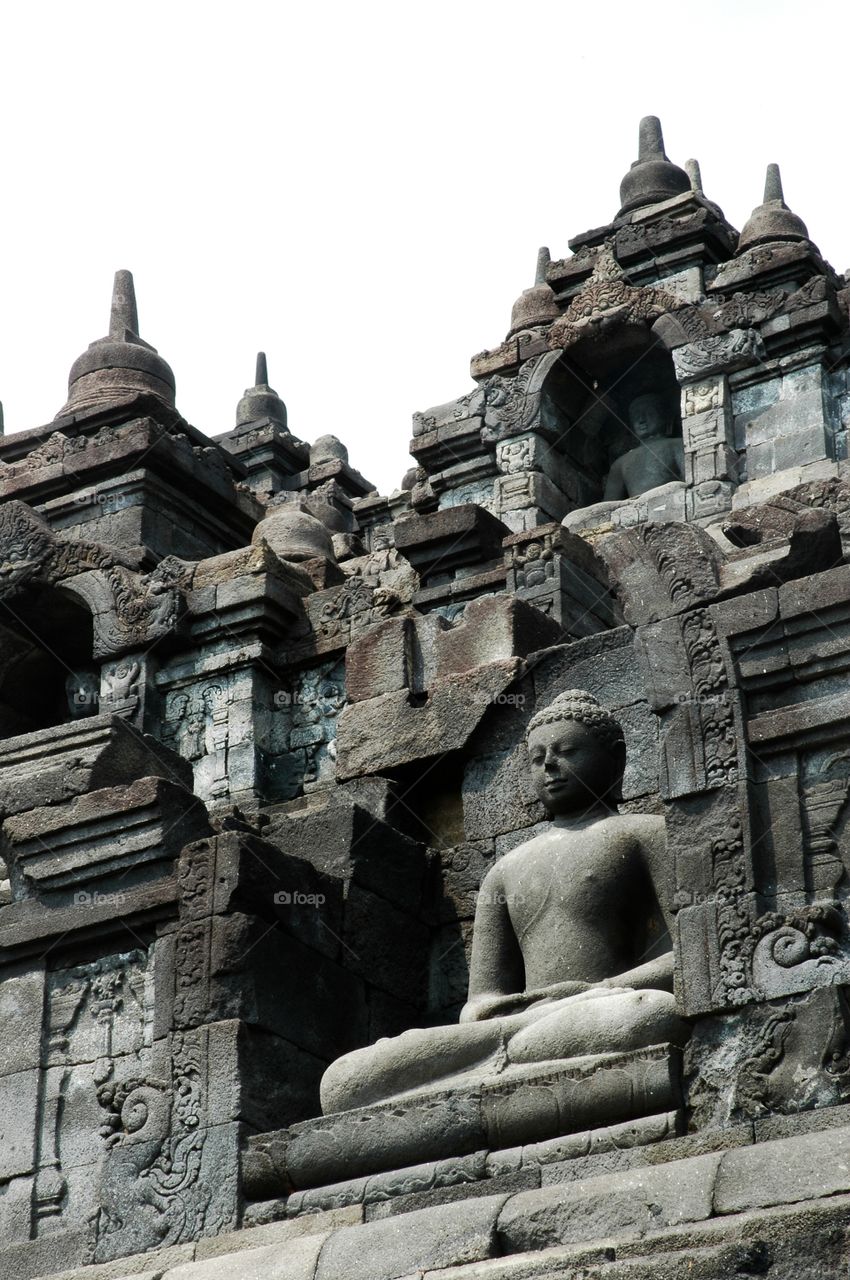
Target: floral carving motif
{"type": "Point", "coordinates": [710, 686]}
{"type": "Point", "coordinates": [608, 299]}
{"type": "Point", "coordinates": [722, 352]}
{"type": "Point", "coordinates": [734, 926]}
{"type": "Point", "coordinates": [512, 406]}
{"type": "Point", "coordinates": [152, 1193]}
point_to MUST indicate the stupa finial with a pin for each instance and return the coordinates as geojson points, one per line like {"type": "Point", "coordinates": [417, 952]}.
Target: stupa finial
{"type": "Point", "coordinates": [652, 178]}
{"type": "Point", "coordinates": [261, 401]}
{"type": "Point", "coordinates": [650, 140]}
{"type": "Point", "coordinates": [773, 184]}
{"type": "Point", "coordinates": [543, 259]}
{"type": "Point", "coordinates": [692, 169]}
{"type": "Point", "coordinates": [772, 221]}
{"type": "Point", "coordinates": [123, 314]}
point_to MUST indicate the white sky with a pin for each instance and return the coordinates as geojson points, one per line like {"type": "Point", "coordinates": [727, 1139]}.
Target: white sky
{"type": "Point", "coordinates": [361, 189]}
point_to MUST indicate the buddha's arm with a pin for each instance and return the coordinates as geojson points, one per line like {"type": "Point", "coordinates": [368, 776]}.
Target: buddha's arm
{"type": "Point", "coordinates": [656, 975]}
{"type": "Point", "coordinates": [496, 970]}
{"type": "Point", "coordinates": [615, 487]}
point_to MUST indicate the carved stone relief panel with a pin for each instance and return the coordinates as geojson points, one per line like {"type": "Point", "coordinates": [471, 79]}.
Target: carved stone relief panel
{"type": "Point", "coordinates": [167, 1172]}
{"type": "Point", "coordinates": [708, 431]}
{"type": "Point", "coordinates": [789, 1057]}
{"type": "Point", "coordinates": [121, 684]}
{"type": "Point", "coordinates": [99, 1029]}
{"type": "Point", "coordinates": [376, 587]}
{"type": "Point", "coordinates": [303, 733]}
{"type": "Point", "coordinates": [773, 915]}
{"type": "Point", "coordinates": [196, 725]}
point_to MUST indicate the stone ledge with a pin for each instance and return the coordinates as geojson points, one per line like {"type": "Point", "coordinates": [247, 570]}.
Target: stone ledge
{"type": "Point", "coordinates": [483, 1172]}
{"type": "Point", "coordinates": [55, 764]}
{"type": "Point", "coordinates": [648, 1223]}
{"type": "Point", "coordinates": [390, 1247]}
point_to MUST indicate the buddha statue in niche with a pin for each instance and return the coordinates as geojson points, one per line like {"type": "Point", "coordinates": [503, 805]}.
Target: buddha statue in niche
{"type": "Point", "coordinates": [571, 954]}
{"type": "Point", "coordinates": [656, 458]}
{"type": "Point", "coordinates": [82, 693]}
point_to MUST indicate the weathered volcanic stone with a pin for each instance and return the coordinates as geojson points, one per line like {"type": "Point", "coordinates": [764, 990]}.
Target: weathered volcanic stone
{"type": "Point", "coordinates": [68, 760]}
{"type": "Point", "coordinates": [445, 1236]}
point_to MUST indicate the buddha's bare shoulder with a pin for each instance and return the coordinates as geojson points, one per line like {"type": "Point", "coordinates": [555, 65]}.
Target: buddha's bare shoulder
{"type": "Point", "coordinates": [640, 823]}
{"type": "Point", "coordinates": [645, 829]}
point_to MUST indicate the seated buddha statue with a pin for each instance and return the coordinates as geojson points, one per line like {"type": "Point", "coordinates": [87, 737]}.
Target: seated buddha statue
{"type": "Point", "coordinates": [655, 458]}
{"type": "Point", "coordinates": [571, 954]}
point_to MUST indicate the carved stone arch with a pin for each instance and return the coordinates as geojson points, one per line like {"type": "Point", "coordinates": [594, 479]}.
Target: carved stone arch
{"type": "Point", "coordinates": [129, 610]}
{"type": "Point", "coordinates": [574, 397]}
{"type": "Point", "coordinates": [608, 302]}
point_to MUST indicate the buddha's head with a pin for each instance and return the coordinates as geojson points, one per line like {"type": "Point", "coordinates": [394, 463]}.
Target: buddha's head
{"type": "Point", "coordinates": [576, 753]}
{"type": "Point", "coordinates": [82, 691]}
{"type": "Point", "coordinates": [650, 416]}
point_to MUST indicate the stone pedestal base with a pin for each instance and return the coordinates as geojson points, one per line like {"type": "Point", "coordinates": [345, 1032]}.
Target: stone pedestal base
{"type": "Point", "coordinates": [521, 1105]}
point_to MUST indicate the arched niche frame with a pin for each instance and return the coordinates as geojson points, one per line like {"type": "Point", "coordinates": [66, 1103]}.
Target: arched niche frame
{"type": "Point", "coordinates": [128, 608]}
{"type": "Point", "coordinates": [576, 396]}
{"type": "Point", "coordinates": [613, 342]}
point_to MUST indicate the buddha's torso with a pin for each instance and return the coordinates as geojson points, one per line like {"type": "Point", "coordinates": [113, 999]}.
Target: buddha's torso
{"type": "Point", "coordinates": [578, 899]}
{"type": "Point", "coordinates": [652, 463]}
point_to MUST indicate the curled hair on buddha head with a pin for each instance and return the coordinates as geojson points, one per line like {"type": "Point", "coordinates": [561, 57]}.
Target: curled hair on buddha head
{"type": "Point", "coordinates": [578, 704]}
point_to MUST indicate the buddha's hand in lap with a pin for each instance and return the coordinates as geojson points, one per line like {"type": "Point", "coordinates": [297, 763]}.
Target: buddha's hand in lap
{"type": "Point", "coordinates": [501, 1006]}
{"type": "Point", "coordinates": [485, 1007]}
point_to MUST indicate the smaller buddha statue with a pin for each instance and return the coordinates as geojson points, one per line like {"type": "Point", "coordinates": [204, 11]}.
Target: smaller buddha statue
{"type": "Point", "coordinates": [655, 459]}
{"type": "Point", "coordinates": [82, 692]}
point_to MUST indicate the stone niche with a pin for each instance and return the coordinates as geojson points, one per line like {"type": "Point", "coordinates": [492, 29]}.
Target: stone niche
{"type": "Point", "coordinates": [47, 639]}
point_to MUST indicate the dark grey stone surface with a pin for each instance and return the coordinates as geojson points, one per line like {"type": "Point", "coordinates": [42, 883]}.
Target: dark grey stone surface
{"type": "Point", "coordinates": [445, 1236]}
{"type": "Point", "coordinates": [303, 769]}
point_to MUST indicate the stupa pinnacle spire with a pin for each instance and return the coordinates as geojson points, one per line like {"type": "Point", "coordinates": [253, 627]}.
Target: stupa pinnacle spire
{"type": "Point", "coordinates": [544, 257]}
{"type": "Point", "coordinates": [123, 314]}
{"type": "Point", "coordinates": [773, 184]}
{"type": "Point", "coordinates": [650, 140]}
{"type": "Point", "coordinates": [122, 364]}
{"type": "Point", "coordinates": [652, 178]}
{"type": "Point", "coordinates": [261, 400]}
{"type": "Point", "coordinates": [772, 220]}
{"type": "Point", "coordinates": [535, 306]}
